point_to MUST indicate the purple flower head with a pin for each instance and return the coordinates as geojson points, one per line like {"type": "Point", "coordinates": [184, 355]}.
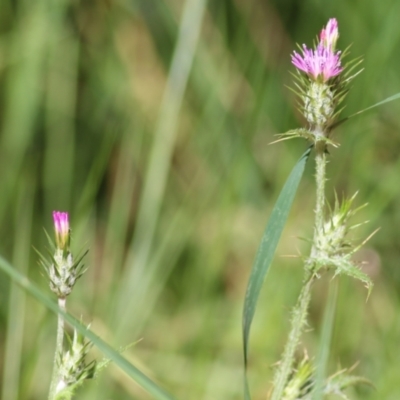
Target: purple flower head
{"type": "Point", "coordinates": [330, 34]}
{"type": "Point", "coordinates": [322, 63]}
{"type": "Point", "coordinates": [61, 227]}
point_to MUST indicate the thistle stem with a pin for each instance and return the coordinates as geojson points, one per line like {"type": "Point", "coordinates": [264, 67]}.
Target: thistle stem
{"type": "Point", "coordinates": [299, 314]}
{"type": "Point", "coordinates": [58, 351]}
{"type": "Point", "coordinates": [299, 318]}
{"type": "Point", "coordinates": [320, 172]}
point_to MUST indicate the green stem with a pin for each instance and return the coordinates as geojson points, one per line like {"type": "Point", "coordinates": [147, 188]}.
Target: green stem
{"type": "Point", "coordinates": [58, 351]}
{"type": "Point", "coordinates": [299, 319]}
{"type": "Point", "coordinates": [299, 316]}
{"type": "Point", "coordinates": [320, 167]}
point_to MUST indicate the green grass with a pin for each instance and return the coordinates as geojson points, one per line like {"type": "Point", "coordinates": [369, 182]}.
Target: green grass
{"type": "Point", "coordinates": [149, 121]}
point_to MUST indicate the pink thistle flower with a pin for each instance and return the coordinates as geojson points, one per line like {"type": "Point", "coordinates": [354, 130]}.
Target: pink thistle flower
{"type": "Point", "coordinates": [322, 63]}
{"type": "Point", "coordinates": [318, 63]}
{"type": "Point", "coordinates": [330, 34]}
{"type": "Point", "coordinates": [61, 227]}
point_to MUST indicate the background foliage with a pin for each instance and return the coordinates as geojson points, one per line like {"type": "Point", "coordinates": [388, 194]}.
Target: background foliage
{"type": "Point", "coordinates": [149, 121]}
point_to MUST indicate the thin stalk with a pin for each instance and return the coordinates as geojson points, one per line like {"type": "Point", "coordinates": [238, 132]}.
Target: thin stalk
{"type": "Point", "coordinates": [299, 315]}
{"type": "Point", "coordinates": [320, 167]}
{"type": "Point", "coordinates": [59, 349]}
{"type": "Point", "coordinates": [299, 319]}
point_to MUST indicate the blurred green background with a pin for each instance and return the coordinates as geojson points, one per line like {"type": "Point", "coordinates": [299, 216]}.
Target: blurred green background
{"type": "Point", "coordinates": [150, 122]}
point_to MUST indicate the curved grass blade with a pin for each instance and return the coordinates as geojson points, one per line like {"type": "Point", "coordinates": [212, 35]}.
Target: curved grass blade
{"type": "Point", "coordinates": [388, 100]}
{"type": "Point", "coordinates": [266, 251]}
{"type": "Point", "coordinates": [140, 378]}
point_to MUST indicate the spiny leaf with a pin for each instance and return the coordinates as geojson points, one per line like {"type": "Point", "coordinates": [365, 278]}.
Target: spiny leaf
{"type": "Point", "coordinates": [347, 267]}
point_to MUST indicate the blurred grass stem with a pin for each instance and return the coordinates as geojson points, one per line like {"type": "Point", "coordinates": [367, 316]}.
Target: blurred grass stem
{"type": "Point", "coordinates": [159, 164]}
{"type": "Point", "coordinates": [17, 303]}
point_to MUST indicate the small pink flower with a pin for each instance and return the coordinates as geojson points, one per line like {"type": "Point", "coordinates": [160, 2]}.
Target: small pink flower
{"type": "Point", "coordinates": [322, 63]}
{"type": "Point", "coordinates": [330, 34]}
{"type": "Point", "coordinates": [61, 227]}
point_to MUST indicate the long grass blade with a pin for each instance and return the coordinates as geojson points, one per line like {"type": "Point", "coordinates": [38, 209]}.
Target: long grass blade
{"type": "Point", "coordinates": [138, 376]}
{"type": "Point", "coordinates": [266, 252]}
{"type": "Point", "coordinates": [380, 103]}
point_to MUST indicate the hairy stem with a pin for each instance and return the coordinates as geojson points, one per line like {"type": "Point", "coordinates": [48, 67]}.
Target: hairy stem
{"type": "Point", "coordinates": [320, 166]}
{"type": "Point", "coordinates": [58, 351]}
{"type": "Point", "coordinates": [299, 319]}
{"type": "Point", "coordinates": [299, 314]}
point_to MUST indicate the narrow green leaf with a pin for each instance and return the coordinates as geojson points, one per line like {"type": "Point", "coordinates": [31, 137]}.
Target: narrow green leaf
{"type": "Point", "coordinates": [266, 251]}
{"type": "Point", "coordinates": [141, 379]}
{"type": "Point", "coordinates": [388, 100]}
